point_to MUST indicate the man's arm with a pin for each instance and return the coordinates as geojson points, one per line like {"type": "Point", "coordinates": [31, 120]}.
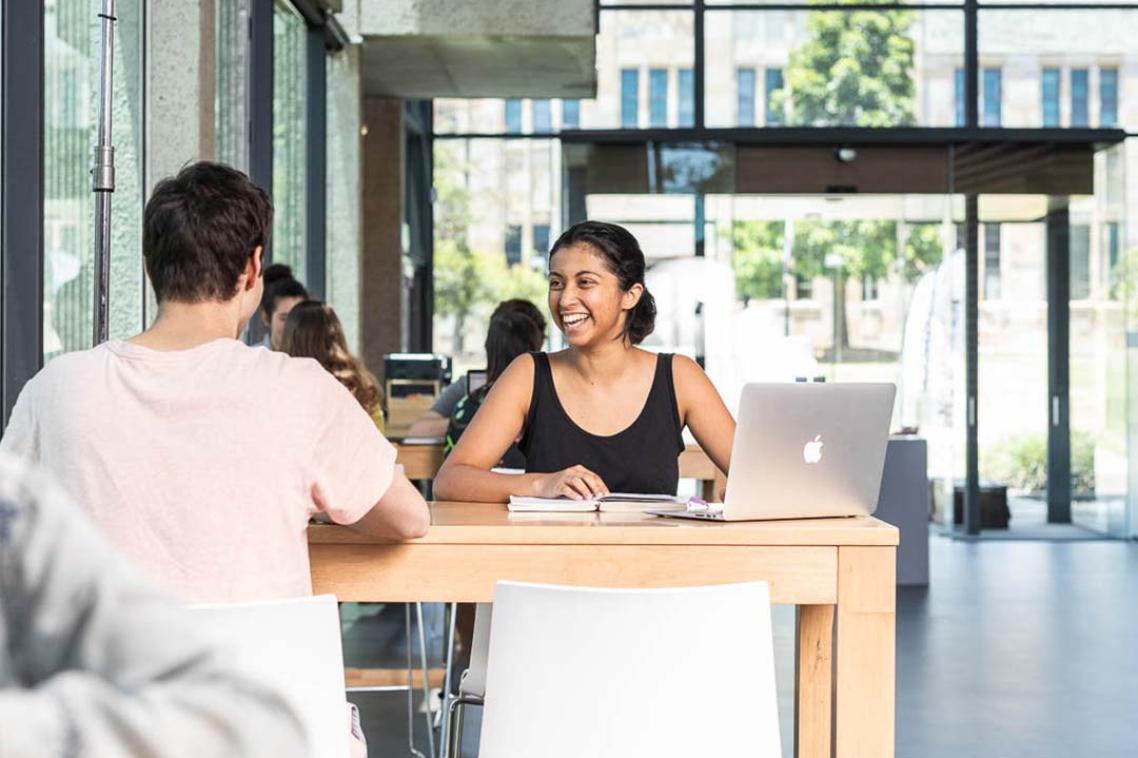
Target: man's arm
{"type": "Point", "coordinates": [100, 664]}
{"type": "Point", "coordinates": [401, 514]}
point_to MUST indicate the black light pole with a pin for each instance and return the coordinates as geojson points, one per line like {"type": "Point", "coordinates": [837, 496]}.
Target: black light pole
{"type": "Point", "coordinates": [103, 172]}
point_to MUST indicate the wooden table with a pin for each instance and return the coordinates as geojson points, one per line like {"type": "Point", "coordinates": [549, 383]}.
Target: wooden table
{"type": "Point", "coordinates": [423, 460]}
{"type": "Point", "coordinates": [840, 572]}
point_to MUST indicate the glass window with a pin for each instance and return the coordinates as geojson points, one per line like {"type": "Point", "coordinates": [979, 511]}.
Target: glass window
{"type": "Point", "coordinates": [993, 97]}
{"type": "Point", "coordinates": [958, 89]}
{"type": "Point", "coordinates": [570, 114]}
{"type": "Point", "coordinates": [230, 111]}
{"type": "Point", "coordinates": [490, 195]}
{"type": "Point", "coordinates": [1080, 261]}
{"type": "Point", "coordinates": [687, 97]}
{"type": "Point", "coordinates": [513, 244]}
{"type": "Point", "coordinates": [658, 97]}
{"type": "Point", "coordinates": [1110, 244]}
{"type": "Point", "coordinates": [541, 239]}
{"type": "Point", "coordinates": [1108, 97]}
{"type": "Point", "coordinates": [513, 116]}
{"type": "Point", "coordinates": [1080, 110]}
{"type": "Point", "coordinates": [1074, 40]}
{"type": "Point", "coordinates": [629, 98]}
{"type": "Point", "coordinates": [71, 80]}
{"type": "Point", "coordinates": [1051, 97]}
{"type": "Point", "coordinates": [774, 89]}
{"type": "Point", "coordinates": [289, 138]}
{"type": "Point", "coordinates": [745, 88]}
{"type": "Point", "coordinates": [869, 68]}
{"type": "Point", "coordinates": [629, 42]}
{"type": "Point", "coordinates": [542, 117]}
{"type": "Point", "coordinates": [991, 261]}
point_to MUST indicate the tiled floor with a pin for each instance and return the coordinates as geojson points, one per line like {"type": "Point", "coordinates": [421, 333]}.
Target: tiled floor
{"type": "Point", "coordinates": [1017, 649]}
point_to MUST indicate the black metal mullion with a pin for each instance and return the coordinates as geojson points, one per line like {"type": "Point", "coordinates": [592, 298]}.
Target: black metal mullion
{"type": "Point", "coordinates": [22, 167]}
{"type": "Point", "coordinates": [260, 89]}
{"type": "Point", "coordinates": [700, 63]}
{"type": "Point", "coordinates": [972, 511]}
{"type": "Point", "coordinates": [1059, 364]}
{"type": "Point", "coordinates": [316, 162]}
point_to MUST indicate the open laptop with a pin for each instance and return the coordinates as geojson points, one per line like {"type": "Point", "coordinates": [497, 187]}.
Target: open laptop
{"type": "Point", "coordinates": [805, 451]}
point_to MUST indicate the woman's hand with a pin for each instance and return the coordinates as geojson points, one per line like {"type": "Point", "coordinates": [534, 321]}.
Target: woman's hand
{"type": "Point", "coordinates": [576, 483]}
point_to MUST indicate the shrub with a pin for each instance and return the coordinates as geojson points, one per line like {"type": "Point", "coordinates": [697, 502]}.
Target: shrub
{"type": "Point", "coordinates": [1021, 463]}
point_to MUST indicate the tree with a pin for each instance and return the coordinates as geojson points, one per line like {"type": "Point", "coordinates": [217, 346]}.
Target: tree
{"type": "Point", "coordinates": [758, 259]}
{"type": "Point", "coordinates": [855, 69]}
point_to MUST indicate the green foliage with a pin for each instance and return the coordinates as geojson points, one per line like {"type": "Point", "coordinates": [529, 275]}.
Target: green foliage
{"type": "Point", "coordinates": [470, 282]}
{"type": "Point", "coordinates": [1021, 463]}
{"type": "Point", "coordinates": [867, 248]}
{"type": "Point", "coordinates": [854, 70]}
{"type": "Point", "coordinates": [758, 251]}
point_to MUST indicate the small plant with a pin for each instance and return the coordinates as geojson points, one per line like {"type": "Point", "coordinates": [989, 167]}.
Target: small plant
{"type": "Point", "coordinates": [1021, 463]}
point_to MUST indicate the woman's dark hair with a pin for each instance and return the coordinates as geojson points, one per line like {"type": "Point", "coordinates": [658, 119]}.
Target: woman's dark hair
{"type": "Point", "coordinates": [199, 229]}
{"type": "Point", "coordinates": [622, 253]}
{"type": "Point", "coordinates": [279, 285]}
{"type": "Point", "coordinates": [516, 327]}
{"type": "Point", "coordinates": [313, 331]}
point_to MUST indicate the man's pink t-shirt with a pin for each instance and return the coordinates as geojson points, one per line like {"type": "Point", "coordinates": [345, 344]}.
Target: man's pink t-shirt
{"type": "Point", "coordinates": [204, 465]}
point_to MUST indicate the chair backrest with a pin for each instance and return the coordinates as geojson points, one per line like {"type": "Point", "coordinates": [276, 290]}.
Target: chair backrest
{"type": "Point", "coordinates": [294, 646]}
{"type": "Point", "coordinates": [601, 672]}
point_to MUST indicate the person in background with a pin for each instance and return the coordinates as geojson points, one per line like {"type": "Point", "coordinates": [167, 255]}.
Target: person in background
{"type": "Point", "coordinates": [313, 330]}
{"type": "Point", "coordinates": [434, 422]}
{"type": "Point", "coordinates": [203, 458]}
{"type": "Point", "coordinates": [602, 415]}
{"type": "Point", "coordinates": [282, 293]}
{"type": "Point", "coordinates": [516, 327]}
{"type": "Point", "coordinates": [95, 662]}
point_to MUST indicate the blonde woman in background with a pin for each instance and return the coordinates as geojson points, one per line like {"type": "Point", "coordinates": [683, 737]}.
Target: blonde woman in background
{"type": "Point", "coordinates": [313, 331]}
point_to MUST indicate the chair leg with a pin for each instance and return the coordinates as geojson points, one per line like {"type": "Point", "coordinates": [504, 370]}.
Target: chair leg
{"type": "Point", "coordinates": [444, 743]}
{"type": "Point", "coordinates": [426, 680]}
{"type": "Point", "coordinates": [411, 689]}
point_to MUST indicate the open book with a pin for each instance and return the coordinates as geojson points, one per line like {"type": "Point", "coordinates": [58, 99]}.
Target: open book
{"type": "Point", "coordinates": [615, 502]}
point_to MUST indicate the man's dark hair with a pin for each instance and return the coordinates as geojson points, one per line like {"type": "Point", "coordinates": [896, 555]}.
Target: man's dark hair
{"type": "Point", "coordinates": [199, 229]}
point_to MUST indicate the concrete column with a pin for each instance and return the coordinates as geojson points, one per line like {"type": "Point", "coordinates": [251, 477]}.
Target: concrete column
{"type": "Point", "coordinates": [345, 242]}
{"type": "Point", "coordinates": [381, 271]}
{"type": "Point", "coordinates": [180, 76]}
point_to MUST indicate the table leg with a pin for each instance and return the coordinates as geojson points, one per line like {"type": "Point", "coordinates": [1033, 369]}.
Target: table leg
{"type": "Point", "coordinates": [865, 671]}
{"type": "Point", "coordinates": [814, 681]}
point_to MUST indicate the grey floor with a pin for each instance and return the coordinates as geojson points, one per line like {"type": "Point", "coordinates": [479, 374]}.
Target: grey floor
{"type": "Point", "coordinates": [1018, 649]}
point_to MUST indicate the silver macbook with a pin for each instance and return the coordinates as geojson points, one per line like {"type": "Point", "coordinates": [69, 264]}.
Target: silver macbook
{"type": "Point", "coordinates": [805, 451]}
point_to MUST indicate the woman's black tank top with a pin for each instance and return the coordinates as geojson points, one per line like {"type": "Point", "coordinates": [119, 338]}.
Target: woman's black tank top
{"type": "Point", "coordinates": [640, 459]}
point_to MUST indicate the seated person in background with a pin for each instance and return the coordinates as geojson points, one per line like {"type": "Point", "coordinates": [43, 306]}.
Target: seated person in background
{"type": "Point", "coordinates": [94, 662]}
{"type": "Point", "coordinates": [282, 292]}
{"type": "Point", "coordinates": [602, 415]}
{"type": "Point", "coordinates": [313, 330]}
{"type": "Point", "coordinates": [514, 329]}
{"type": "Point", "coordinates": [202, 458]}
{"type": "Point", "coordinates": [434, 422]}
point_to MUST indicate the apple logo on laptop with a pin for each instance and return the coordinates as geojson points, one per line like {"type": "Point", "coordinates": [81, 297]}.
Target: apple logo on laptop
{"type": "Point", "coordinates": [812, 450]}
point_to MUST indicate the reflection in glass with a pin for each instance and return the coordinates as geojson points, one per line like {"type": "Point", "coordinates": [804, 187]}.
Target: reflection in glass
{"type": "Point", "coordinates": [288, 242]}
{"type": "Point", "coordinates": [230, 111]}
{"type": "Point", "coordinates": [70, 93]}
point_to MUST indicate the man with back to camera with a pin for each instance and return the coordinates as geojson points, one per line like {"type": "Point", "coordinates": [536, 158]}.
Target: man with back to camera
{"type": "Point", "coordinates": [201, 457]}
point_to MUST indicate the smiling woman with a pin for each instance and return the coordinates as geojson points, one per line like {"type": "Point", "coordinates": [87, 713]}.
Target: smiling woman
{"type": "Point", "coordinates": [602, 415]}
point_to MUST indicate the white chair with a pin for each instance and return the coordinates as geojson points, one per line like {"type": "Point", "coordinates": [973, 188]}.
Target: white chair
{"type": "Point", "coordinates": [294, 646]}
{"type": "Point", "coordinates": [608, 672]}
